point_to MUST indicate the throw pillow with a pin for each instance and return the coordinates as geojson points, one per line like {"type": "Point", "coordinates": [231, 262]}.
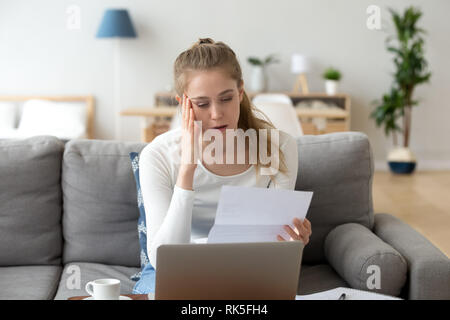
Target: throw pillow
{"type": "Point", "coordinates": [65, 120]}
{"type": "Point", "coordinates": [142, 226]}
{"type": "Point", "coordinates": [7, 115]}
{"type": "Point", "coordinates": [365, 261]}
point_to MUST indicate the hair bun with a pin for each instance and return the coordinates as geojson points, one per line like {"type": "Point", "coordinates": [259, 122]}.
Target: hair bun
{"type": "Point", "coordinates": [205, 40]}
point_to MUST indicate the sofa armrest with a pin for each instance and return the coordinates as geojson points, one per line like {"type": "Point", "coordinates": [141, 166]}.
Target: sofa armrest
{"type": "Point", "coordinates": [428, 267]}
{"type": "Point", "coordinates": [364, 261]}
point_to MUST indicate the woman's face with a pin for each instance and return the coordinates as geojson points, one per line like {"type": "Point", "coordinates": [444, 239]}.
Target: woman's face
{"type": "Point", "coordinates": [215, 98]}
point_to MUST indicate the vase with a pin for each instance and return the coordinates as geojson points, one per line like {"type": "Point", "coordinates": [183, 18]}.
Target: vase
{"type": "Point", "coordinates": [331, 87]}
{"type": "Point", "coordinates": [401, 161]}
{"type": "Point", "coordinates": [258, 81]}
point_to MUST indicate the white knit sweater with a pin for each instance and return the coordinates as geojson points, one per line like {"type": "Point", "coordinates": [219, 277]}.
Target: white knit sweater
{"type": "Point", "coordinates": [175, 215]}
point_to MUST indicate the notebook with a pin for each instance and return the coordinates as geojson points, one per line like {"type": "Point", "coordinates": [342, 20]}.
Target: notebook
{"type": "Point", "coordinates": [350, 294]}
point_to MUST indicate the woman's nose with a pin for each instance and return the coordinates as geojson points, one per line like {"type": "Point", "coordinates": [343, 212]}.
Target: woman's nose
{"type": "Point", "coordinates": [216, 112]}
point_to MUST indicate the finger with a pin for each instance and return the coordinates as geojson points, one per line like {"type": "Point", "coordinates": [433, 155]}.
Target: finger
{"type": "Point", "coordinates": [297, 223]}
{"type": "Point", "coordinates": [188, 110]}
{"type": "Point", "coordinates": [307, 225]}
{"type": "Point", "coordinates": [196, 126]}
{"type": "Point", "coordinates": [183, 112]}
{"type": "Point", "coordinates": [303, 231]}
{"type": "Point", "coordinates": [305, 241]}
{"type": "Point", "coordinates": [304, 235]}
{"type": "Point", "coordinates": [291, 232]}
{"type": "Point", "coordinates": [191, 126]}
{"type": "Point", "coordinates": [185, 109]}
{"type": "Point", "coordinates": [186, 113]}
{"type": "Point", "coordinates": [300, 227]}
{"type": "Point", "coordinates": [280, 238]}
{"type": "Point", "coordinates": [191, 130]}
{"type": "Point", "coordinates": [191, 120]}
{"type": "Point", "coordinates": [305, 238]}
{"type": "Point", "coordinates": [192, 108]}
{"type": "Point", "coordinates": [197, 138]}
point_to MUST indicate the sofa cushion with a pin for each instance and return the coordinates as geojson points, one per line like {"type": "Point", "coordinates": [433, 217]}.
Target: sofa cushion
{"type": "Point", "coordinates": [317, 278]}
{"type": "Point", "coordinates": [142, 225]}
{"type": "Point", "coordinates": [29, 282]}
{"type": "Point", "coordinates": [76, 275]}
{"type": "Point", "coordinates": [365, 261]}
{"type": "Point", "coordinates": [30, 201]}
{"type": "Point", "coordinates": [99, 194]}
{"type": "Point", "coordinates": [338, 168]}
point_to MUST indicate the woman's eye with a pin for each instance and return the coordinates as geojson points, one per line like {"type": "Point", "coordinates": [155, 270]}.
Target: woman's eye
{"type": "Point", "coordinates": [204, 105]}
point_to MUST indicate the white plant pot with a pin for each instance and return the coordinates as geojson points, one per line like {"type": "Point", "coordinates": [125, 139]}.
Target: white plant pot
{"type": "Point", "coordinates": [331, 87]}
{"type": "Point", "coordinates": [401, 160]}
{"type": "Point", "coordinates": [258, 81]}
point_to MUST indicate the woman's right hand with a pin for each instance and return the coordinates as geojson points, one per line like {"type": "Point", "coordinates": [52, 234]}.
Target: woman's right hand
{"type": "Point", "coordinates": [189, 154]}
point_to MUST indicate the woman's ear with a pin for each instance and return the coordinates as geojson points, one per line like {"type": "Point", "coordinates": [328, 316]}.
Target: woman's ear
{"type": "Point", "coordinates": [178, 99]}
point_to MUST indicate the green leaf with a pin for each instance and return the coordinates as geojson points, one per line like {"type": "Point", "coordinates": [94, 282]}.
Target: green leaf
{"type": "Point", "coordinates": [255, 61]}
{"type": "Point", "coordinates": [332, 74]}
{"type": "Point", "coordinates": [262, 62]}
{"type": "Point", "coordinates": [271, 59]}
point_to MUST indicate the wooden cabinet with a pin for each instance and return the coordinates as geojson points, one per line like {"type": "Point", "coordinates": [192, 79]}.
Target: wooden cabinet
{"type": "Point", "coordinates": [336, 120]}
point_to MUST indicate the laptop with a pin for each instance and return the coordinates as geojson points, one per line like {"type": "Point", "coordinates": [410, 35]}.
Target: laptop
{"type": "Point", "coordinates": [228, 271]}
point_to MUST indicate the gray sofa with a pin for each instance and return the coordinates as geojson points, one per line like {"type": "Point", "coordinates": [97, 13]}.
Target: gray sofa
{"type": "Point", "coordinates": [68, 215]}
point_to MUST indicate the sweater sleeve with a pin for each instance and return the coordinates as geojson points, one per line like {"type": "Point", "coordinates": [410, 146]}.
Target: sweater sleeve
{"type": "Point", "coordinates": [290, 152]}
{"type": "Point", "coordinates": [168, 209]}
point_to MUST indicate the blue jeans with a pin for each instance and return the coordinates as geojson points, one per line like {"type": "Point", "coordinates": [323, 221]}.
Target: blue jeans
{"type": "Point", "coordinates": [146, 283]}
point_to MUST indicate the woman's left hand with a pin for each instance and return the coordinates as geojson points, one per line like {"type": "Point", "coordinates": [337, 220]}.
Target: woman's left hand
{"type": "Point", "coordinates": [301, 231]}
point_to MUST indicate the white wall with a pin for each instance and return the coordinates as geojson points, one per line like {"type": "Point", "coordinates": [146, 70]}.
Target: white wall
{"type": "Point", "coordinates": [40, 55]}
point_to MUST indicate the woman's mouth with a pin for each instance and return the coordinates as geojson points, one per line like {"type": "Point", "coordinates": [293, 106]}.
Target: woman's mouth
{"type": "Point", "coordinates": [221, 127]}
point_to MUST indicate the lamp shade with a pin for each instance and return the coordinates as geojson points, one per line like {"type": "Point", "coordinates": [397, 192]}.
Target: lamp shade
{"type": "Point", "coordinates": [299, 64]}
{"type": "Point", "coordinates": [116, 23]}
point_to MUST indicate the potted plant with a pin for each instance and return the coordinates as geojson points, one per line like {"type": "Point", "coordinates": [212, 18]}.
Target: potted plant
{"type": "Point", "coordinates": [332, 77]}
{"type": "Point", "coordinates": [259, 81]}
{"type": "Point", "coordinates": [410, 71]}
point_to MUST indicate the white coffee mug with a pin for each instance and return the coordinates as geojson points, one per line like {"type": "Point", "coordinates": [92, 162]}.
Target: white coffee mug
{"type": "Point", "coordinates": [104, 289]}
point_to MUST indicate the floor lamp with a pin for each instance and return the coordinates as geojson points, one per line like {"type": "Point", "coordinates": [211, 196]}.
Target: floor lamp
{"type": "Point", "coordinates": [116, 23]}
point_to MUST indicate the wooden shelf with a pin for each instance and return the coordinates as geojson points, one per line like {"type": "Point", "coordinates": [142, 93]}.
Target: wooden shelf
{"type": "Point", "coordinates": [162, 111]}
{"type": "Point", "coordinates": [169, 111]}
{"type": "Point", "coordinates": [337, 119]}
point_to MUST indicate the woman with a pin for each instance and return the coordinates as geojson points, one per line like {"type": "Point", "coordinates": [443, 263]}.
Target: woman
{"type": "Point", "coordinates": [180, 197]}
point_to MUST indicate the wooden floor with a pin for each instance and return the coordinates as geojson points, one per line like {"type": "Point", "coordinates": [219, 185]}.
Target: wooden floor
{"type": "Point", "coordinates": [422, 200]}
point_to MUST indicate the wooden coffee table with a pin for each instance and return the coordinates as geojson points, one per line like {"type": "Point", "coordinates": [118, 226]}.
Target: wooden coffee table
{"type": "Point", "coordinates": [132, 296]}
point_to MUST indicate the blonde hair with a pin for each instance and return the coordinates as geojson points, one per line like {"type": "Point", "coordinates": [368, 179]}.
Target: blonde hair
{"type": "Point", "coordinates": [206, 54]}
